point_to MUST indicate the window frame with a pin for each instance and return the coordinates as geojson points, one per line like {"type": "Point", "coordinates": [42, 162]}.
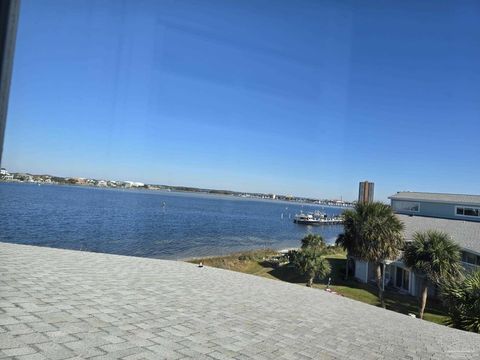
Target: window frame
{"type": "Point", "coordinates": [463, 207]}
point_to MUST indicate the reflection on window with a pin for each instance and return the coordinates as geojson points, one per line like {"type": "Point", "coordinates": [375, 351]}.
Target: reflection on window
{"type": "Point", "coordinates": [468, 211]}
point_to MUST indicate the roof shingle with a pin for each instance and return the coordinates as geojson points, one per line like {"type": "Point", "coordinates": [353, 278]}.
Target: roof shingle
{"type": "Point", "coordinates": [156, 309]}
{"type": "Point", "coordinates": [465, 233]}
{"type": "Point", "coordinates": [437, 197]}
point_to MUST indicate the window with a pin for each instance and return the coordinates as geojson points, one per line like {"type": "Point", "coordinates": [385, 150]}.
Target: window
{"type": "Point", "coordinates": [467, 211]}
{"type": "Point", "coordinates": [470, 258]}
{"type": "Point", "coordinates": [409, 206]}
{"type": "Point", "coordinates": [402, 280]}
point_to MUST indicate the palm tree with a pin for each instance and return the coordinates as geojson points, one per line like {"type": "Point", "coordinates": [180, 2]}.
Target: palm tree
{"type": "Point", "coordinates": [310, 260]}
{"type": "Point", "coordinates": [312, 240]}
{"type": "Point", "coordinates": [372, 233]}
{"type": "Point", "coordinates": [463, 302]}
{"type": "Point", "coordinates": [434, 257]}
{"type": "Point", "coordinates": [349, 239]}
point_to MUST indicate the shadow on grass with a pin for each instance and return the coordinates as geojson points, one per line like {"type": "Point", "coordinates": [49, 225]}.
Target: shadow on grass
{"type": "Point", "coordinates": [288, 273]}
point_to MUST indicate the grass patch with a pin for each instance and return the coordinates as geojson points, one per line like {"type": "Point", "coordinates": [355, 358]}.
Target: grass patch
{"type": "Point", "coordinates": [254, 262]}
{"type": "Point", "coordinates": [249, 262]}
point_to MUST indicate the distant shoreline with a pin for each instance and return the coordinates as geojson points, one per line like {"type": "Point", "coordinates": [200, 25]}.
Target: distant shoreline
{"type": "Point", "coordinates": [179, 191]}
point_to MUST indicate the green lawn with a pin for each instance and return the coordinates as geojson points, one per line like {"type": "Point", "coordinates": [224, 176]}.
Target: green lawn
{"type": "Point", "coordinates": [252, 263]}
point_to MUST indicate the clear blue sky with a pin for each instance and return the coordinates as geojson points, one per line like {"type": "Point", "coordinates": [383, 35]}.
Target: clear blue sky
{"type": "Point", "coordinates": [292, 97]}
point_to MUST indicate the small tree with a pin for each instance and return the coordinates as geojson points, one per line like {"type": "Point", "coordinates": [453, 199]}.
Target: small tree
{"type": "Point", "coordinates": [434, 257]}
{"type": "Point", "coordinates": [312, 240]}
{"type": "Point", "coordinates": [462, 298]}
{"type": "Point", "coordinates": [310, 260]}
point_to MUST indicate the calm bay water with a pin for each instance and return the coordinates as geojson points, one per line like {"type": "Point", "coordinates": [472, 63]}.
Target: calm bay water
{"type": "Point", "coordinates": [135, 222]}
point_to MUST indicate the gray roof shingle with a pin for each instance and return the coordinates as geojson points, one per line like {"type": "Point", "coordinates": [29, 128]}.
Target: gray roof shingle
{"type": "Point", "coordinates": [437, 197]}
{"type": "Point", "coordinates": [120, 306]}
{"type": "Point", "coordinates": [465, 233]}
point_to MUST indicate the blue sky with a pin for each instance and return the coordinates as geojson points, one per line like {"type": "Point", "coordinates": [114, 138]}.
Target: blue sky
{"type": "Point", "coordinates": [292, 97]}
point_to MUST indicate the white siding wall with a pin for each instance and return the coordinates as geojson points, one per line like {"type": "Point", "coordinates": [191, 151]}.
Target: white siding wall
{"type": "Point", "coordinates": [413, 284]}
{"type": "Point", "coordinates": [361, 270]}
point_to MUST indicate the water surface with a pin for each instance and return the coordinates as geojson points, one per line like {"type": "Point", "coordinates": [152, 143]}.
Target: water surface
{"type": "Point", "coordinates": [149, 223]}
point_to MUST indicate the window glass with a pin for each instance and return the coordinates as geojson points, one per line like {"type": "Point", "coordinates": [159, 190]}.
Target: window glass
{"type": "Point", "coordinates": [471, 212]}
{"type": "Point", "coordinates": [469, 258]}
{"type": "Point", "coordinates": [402, 280]}
{"type": "Point", "coordinates": [406, 279]}
{"type": "Point", "coordinates": [398, 281]}
{"type": "Point", "coordinates": [468, 211]}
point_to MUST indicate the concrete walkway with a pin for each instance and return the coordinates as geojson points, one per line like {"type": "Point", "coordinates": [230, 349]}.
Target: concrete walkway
{"type": "Point", "coordinates": [60, 304]}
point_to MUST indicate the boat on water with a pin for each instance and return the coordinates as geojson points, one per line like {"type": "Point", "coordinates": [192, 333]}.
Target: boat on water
{"type": "Point", "coordinates": [317, 218]}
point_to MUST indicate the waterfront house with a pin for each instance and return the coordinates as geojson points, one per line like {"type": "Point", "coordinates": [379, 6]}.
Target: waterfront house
{"type": "Point", "coordinates": [456, 215]}
{"type": "Point", "coordinates": [101, 183]}
{"type": "Point", "coordinates": [81, 181]}
{"type": "Point", "coordinates": [5, 175]}
{"type": "Point", "coordinates": [23, 177]}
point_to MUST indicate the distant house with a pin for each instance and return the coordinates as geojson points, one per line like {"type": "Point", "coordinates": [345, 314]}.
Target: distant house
{"type": "Point", "coordinates": [101, 183]}
{"type": "Point", "coordinates": [128, 184]}
{"type": "Point", "coordinates": [23, 177]}
{"type": "Point", "coordinates": [80, 181]}
{"type": "Point", "coordinates": [456, 215]}
{"type": "Point", "coordinates": [124, 184]}
{"type": "Point", "coordinates": [133, 184]}
{"type": "Point", "coordinates": [5, 175]}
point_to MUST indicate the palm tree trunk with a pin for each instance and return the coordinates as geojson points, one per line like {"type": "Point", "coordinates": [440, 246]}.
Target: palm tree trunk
{"type": "Point", "coordinates": [379, 284]}
{"type": "Point", "coordinates": [423, 299]}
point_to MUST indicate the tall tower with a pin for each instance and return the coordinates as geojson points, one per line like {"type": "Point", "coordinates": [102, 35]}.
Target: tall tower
{"type": "Point", "coordinates": [365, 192]}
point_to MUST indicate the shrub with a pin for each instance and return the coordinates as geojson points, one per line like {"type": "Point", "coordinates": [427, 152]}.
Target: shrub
{"type": "Point", "coordinates": [310, 261]}
{"type": "Point", "coordinates": [462, 299]}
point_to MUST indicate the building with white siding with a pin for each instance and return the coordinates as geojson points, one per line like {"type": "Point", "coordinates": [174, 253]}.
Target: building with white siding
{"type": "Point", "coordinates": [456, 215]}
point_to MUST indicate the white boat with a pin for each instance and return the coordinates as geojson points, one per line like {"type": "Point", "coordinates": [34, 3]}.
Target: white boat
{"type": "Point", "coordinates": [316, 218]}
